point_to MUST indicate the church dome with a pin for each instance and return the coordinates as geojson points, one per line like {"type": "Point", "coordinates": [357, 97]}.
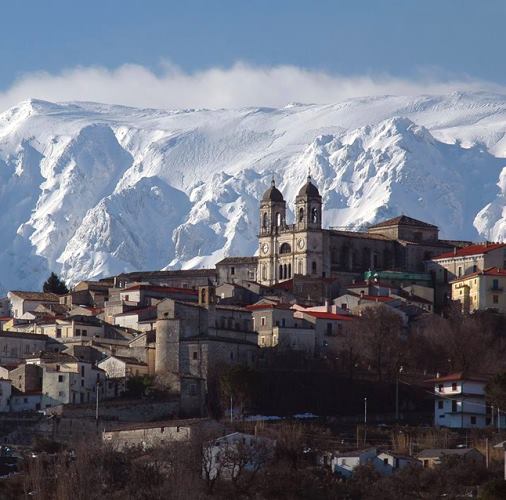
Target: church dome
{"type": "Point", "coordinates": [273, 193]}
{"type": "Point", "coordinates": [309, 189]}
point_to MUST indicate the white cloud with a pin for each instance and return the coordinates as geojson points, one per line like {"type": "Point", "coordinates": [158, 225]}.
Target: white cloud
{"type": "Point", "coordinates": [239, 85]}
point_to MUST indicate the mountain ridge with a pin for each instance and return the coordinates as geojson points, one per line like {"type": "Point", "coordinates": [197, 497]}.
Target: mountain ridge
{"type": "Point", "coordinates": [90, 189]}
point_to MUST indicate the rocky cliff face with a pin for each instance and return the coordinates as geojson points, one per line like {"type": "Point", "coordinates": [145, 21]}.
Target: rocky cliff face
{"type": "Point", "coordinates": [88, 190]}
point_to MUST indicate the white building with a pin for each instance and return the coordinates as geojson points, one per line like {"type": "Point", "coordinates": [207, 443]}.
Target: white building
{"type": "Point", "coordinates": [22, 302]}
{"type": "Point", "coordinates": [123, 367]}
{"type": "Point", "coordinates": [345, 463]}
{"type": "Point", "coordinates": [387, 463]}
{"type": "Point", "coordinates": [460, 402]}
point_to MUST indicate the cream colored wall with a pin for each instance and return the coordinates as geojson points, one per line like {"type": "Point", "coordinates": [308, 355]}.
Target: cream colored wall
{"type": "Point", "coordinates": [479, 293]}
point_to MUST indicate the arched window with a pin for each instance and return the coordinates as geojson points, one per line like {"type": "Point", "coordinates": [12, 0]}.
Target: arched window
{"type": "Point", "coordinates": [203, 296]}
{"type": "Point", "coordinates": [280, 276]}
{"type": "Point", "coordinates": [264, 220]}
{"type": "Point", "coordinates": [284, 272]}
{"type": "Point", "coordinates": [285, 248]}
{"type": "Point", "coordinates": [289, 271]}
{"type": "Point", "coordinates": [301, 214]}
{"type": "Point", "coordinates": [278, 219]}
{"type": "Point", "coordinates": [314, 215]}
{"type": "Point", "coordinates": [313, 267]}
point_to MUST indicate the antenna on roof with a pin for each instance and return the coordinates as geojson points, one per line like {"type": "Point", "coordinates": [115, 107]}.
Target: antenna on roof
{"type": "Point", "coordinates": [273, 182]}
{"type": "Point", "coordinates": [309, 174]}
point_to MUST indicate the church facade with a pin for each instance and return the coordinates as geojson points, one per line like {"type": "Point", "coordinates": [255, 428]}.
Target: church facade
{"type": "Point", "coordinates": [304, 248]}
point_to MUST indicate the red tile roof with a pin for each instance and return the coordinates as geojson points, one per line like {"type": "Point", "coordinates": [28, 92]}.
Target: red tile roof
{"type": "Point", "coordinates": [491, 271]}
{"type": "Point", "coordinates": [328, 315]}
{"type": "Point", "coordinates": [453, 377]}
{"type": "Point", "coordinates": [377, 298]}
{"type": "Point", "coordinates": [478, 249]}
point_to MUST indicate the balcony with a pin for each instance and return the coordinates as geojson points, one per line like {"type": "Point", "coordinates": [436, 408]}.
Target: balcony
{"type": "Point", "coordinates": [496, 289]}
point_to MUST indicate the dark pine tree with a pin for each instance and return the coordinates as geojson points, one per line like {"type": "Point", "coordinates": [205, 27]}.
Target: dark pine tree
{"type": "Point", "coordinates": [55, 285]}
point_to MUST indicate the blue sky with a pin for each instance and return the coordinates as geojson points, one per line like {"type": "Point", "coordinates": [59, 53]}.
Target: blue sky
{"type": "Point", "coordinates": [446, 39]}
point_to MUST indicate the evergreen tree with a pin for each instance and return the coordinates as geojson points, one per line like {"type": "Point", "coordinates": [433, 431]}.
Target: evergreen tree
{"type": "Point", "coordinates": [55, 285]}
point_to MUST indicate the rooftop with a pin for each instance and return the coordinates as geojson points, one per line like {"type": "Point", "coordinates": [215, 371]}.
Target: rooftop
{"type": "Point", "coordinates": [403, 220]}
{"type": "Point", "coordinates": [38, 296]}
{"type": "Point", "coordinates": [160, 289]}
{"type": "Point", "coordinates": [491, 271]}
{"type": "Point", "coordinates": [439, 452]}
{"type": "Point", "coordinates": [238, 260]}
{"type": "Point", "coordinates": [328, 315]}
{"type": "Point", "coordinates": [478, 249]}
{"type": "Point", "coordinates": [457, 376]}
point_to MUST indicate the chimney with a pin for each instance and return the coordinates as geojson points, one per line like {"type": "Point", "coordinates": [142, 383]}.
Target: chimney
{"type": "Point", "coordinates": [454, 250]}
{"type": "Point", "coordinates": [327, 305]}
{"type": "Point", "coordinates": [362, 294]}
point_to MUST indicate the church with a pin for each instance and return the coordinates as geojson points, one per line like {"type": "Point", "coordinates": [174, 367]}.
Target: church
{"type": "Point", "coordinates": [304, 248]}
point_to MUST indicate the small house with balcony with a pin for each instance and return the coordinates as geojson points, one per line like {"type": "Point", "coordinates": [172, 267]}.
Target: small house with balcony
{"type": "Point", "coordinates": [481, 291]}
{"type": "Point", "coordinates": [460, 402]}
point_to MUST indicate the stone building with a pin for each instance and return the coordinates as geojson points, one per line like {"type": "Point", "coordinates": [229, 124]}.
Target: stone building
{"type": "Point", "coordinates": [237, 269]}
{"type": "Point", "coordinates": [193, 339]}
{"type": "Point", "coordinates": [305, 248]}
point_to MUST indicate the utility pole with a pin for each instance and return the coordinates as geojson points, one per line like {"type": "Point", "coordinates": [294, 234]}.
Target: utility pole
{"type": "Point", "coordinates": [96, 407]}
{"type": "Point", "coordinates": [365, 420]}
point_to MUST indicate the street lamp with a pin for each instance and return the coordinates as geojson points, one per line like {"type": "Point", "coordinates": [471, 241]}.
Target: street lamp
{"type": "Point", "coordinates": [401, 369]}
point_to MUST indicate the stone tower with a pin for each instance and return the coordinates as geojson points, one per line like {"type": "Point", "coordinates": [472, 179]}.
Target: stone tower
{"type": "Point", "coordinates": [272, 224]}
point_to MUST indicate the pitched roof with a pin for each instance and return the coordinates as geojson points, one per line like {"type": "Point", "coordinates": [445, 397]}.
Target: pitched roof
{"type": "Point", "coordinates": [439, 452]}
{"type": "Point", "coordinates": [491, 271]}
{"type": "Point", "coordinates": [126, 359]}
{"type": "Point", "coordinates": [328, 315]}
{"type": "Point", "coordinates": [478, 249]}
{"type": "Point", "coordinates": [453, 377]}
{"type": "Point", "coordinates": [377, 298]}
{"type": "Point", "coordinates": [238, 260]}
{"type": "Point", "coordinates": [39, 296]}
{"type": "Point", "coordinates": [160, 289]}
{"type": "Point", "coordinates": [402, 220]}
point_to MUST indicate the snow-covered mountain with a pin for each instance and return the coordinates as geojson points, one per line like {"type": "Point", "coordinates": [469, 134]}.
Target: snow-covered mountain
{"type": "Point", "coordinates": [90, 190]}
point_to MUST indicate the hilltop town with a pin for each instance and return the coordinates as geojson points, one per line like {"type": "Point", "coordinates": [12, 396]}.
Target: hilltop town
{"type": "Point", "coordinates": [325, 333]}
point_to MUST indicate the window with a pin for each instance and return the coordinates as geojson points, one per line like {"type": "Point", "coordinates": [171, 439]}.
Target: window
{"type": "Point", "coordinates": [473, 420]}
{"type": "Point", "coordinates": [232, 270]}
{"type": "Point", "coordinates": [264, 220]}
{"type": "Point", "coordinates": [475, 268]}
{"type": "Point", "coordinates": [195, 355]}
{"type": "Point", "coordinates": [440, 405]}
{"type": "Point", "coordinates": [278, 219]}
{"type": "Point", "coordinates": [283, 322]}
{"type": "Point", "coordinates": [385, 461]}
{"type": "Point", "coordinates": [454, 406]}
{"type": "Point", "coordinates": [193, 390]}
{"type": "Point", "coordinates": [58, 333]}
{"type": "Point", "coordinates": [495, 284]}
{"type": "Point", "coordinates": [78, 331]}
{"type": "Point", "coordinates": [495, 299]}
{"type": "Point", "coordinates": [329, 328]}
{"type": "Point", "coordinates": [262, 320]}
{"type": "Point", "coordinates": [301, 214]}
{"type": "Point", "coordinates": [314, 215]}
{"type": "Point", "coordinates": [454, 386]}
{"type": "Point", "coordinates": [285, 248]}
{"type": "Point", "coordinates": [82, 370]}
{"type": "Point", "coordinates": [60, 378]}
{"type": "Point", "coordinates": [262, 341]}
{"type": "Point", "coordinates": [61, 394]}
{"type": "Point", "coordinates": [313, 267]}
{"type": "Point", "coordinates": [440, 388]}
{"type": "Point", "coordinates": [459, 271]}
{"type": "Point", "coordinates": [84, 333]}
{"type": "Point", "coordinates": [82, 383]}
